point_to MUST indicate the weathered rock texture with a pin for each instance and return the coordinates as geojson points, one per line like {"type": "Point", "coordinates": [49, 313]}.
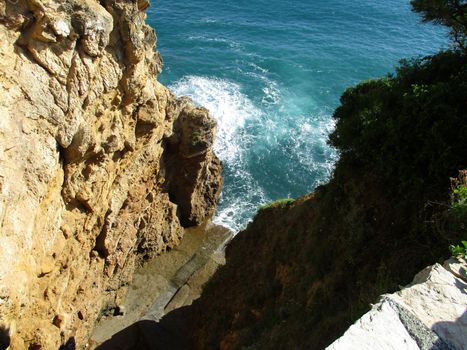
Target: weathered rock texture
{"type": "Point", "coordinates": [430, 314]}
{"type": "Point", "coordinates": [99, 163]}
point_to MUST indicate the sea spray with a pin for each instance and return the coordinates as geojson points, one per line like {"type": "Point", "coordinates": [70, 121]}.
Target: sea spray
{"type": "Point", "coordinates": [251, 139]}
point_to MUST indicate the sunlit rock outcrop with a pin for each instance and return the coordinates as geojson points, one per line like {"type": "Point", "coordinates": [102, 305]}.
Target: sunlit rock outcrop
{"type": "Point", "coordinates": [86, 135]}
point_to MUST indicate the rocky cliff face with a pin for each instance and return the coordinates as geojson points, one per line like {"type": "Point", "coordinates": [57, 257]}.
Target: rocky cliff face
{"type": "Point", "coordinates": [100, 165]}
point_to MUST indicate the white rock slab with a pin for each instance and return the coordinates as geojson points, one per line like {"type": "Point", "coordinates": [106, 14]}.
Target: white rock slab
{"type": "Point", "coordinates": [429, 314]}
{"type": "Point", "coordinates": [439, 300]}
{"type": "Point", "coordinates": [457, 266]}
{"type": "Point", "coordinates": [380, 328]}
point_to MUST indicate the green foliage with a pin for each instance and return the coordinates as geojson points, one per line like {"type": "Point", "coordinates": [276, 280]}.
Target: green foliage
{"type": "Point", "coordinates": [459, 206]}
{"type": "Point", "coordinates": [460, 195]}
{"type": "Point", "coordinates": [280, 203]}
{"type": "Point", "coordinates": [450, 13]}
{"type": "Point", "coordinates": [451, 222]}
{"type": "Point", "coordinates": [458, 250]}
{"type": "Point", "coordinates": [411, 127]}
{"type": "Point", "coordinates": [389, 203]}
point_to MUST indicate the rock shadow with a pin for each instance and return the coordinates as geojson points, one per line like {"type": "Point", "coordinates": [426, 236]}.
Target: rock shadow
{"type": "Point", "coordinates": [454, 334]}
{"type": "Point", "coordinates": [69, 345]}
{"type": "Point", "coordinates": [462, 286]}
{"type": "Point", "coordinates": [170, 333]}
{"type": "Point", "coordinates": [4, 337]}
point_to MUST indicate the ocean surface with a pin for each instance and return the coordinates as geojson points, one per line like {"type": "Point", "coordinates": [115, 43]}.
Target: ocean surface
{"type": "Point", "coordinates": [271, 73]}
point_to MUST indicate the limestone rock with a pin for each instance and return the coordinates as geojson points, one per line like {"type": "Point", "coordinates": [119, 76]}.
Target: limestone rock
{"type": "Point", "coordinates": [190, 145]}
{"type": "Point", "coordinates": [380, 328]}
{"type": "Point", "coordinates": [457, 266]}
{"type": "Point", "coordinates": [86, 188]}
{"type": "Point", "coordinates": [439, 300]}
{"type": "Point", "coordinates": [430, 314]}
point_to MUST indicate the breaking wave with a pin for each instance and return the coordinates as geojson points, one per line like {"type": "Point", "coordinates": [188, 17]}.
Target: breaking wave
{"type": "Point", "coordinates": [268, 149]}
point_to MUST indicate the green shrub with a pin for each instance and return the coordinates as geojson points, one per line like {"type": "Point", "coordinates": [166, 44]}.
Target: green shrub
{"type": "Point", "coordinates": [411, 128]}
{"type": "Point", "coordinates": [458, 250]}
{"type": "Point", "coordinates": [280, 203]}
{"type": "Point", "coordinates": [460, 195]}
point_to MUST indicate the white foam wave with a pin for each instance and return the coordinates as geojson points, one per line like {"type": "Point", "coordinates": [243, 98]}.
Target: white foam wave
{"type": "Point", "coordinates": [256, 67]}
{"type": "Point", "coordinates": [271, 94]}
{"type": "Point", "coordinates": [205, 38]}
{"type": "Point", "coordinates": [236, 209]}
{"type": "Point", "coordinates": [310, 146]}
{"type": "Point", "coordinates": [251, 139]}
{"type": "Point", "coordinates": [271, 91]}
{"type": "Point", "coordinates": [232, 109]}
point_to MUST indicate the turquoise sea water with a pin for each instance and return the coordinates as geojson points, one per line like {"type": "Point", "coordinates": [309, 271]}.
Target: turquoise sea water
{"type": "Point", "coordinates": [271, 72]}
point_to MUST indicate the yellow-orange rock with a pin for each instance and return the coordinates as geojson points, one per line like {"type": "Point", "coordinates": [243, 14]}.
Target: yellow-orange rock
{"type": "Point", "coordinates": [92, 149]}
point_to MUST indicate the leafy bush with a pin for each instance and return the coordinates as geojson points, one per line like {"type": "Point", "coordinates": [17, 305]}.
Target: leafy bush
{"type": "Point", "coordinates": [457, 250]}
{"type": "Point", "coordinates": [460, 196]}
{"type": "Point", "coordinates": [411, 127]}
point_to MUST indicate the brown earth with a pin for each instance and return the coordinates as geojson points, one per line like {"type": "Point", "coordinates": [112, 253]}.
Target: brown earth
{"type": "Point", "coordinates": [302, 272]}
